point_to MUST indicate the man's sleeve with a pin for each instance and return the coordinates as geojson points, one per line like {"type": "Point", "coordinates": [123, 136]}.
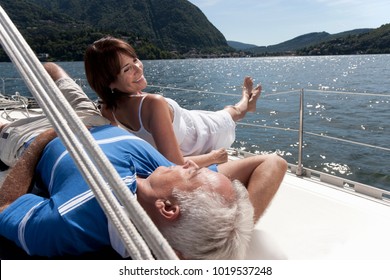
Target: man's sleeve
{"type": "Point", "coordinates": [14, 217]}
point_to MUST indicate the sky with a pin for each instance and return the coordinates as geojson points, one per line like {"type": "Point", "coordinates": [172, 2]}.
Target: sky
{"type": "Point", "coordinates": [270, 22]}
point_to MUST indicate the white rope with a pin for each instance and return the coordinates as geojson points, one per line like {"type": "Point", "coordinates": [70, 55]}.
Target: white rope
{"type": "Point", "coordinates": [15, 101]}
{"type": "Point", "coordinates": [10, 103]}
{"type": "Point", "coordinates": [92, 162]}
{"type": "Point", "coordinates": [62, 130]}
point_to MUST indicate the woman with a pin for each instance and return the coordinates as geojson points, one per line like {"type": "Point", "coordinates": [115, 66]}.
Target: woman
{"type": "Point", "coordinates": [116, 74]}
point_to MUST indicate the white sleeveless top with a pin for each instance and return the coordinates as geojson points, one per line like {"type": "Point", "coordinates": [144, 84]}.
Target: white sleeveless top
{"type": "Point", "coordinates": [197, 132]}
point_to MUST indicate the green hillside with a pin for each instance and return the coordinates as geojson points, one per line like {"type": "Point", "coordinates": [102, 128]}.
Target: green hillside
{"type": "Point", "coordinates": [305, 41]}
{"type": "Point", "coordinates": [171, 24]}
{"type": "Point", "coordinates": [358, 41]}
{"type": "Point", "coordinates": [161, 29]}
{"type": "Point", "coordinates": [376, 41]}
{"type": "Point", "coordinates": [157, 28]}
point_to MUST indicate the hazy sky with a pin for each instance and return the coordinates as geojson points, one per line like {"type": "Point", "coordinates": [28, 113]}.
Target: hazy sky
{"type": "Point", "coordinates": [269, 22]}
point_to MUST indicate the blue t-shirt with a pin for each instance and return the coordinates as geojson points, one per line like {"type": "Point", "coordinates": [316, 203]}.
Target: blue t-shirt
{"type": "Point", "coordinates": [70, 221]}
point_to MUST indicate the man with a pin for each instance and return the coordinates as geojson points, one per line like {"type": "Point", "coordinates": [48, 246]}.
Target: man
{"type": "Point", "coordinates": [14, 136]}
{"type": "Point", "coordinates": [70, 221]}
{"type": "Point", "coordinates": [201, 213]}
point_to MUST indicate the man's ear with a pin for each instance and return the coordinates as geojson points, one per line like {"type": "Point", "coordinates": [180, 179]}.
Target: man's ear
{"type": "Point", "coordinates": [168, 210]}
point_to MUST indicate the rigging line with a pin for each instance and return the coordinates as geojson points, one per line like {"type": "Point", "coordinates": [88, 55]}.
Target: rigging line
{"type": "Point", "coordinates": [266, 126]}
{"type": "Point", "coordinates": [193, 90]}
{"type": "Point", "coordinates": [264, 94]}
{"type": "Point", "coordinates": [316, 134]}
{"type": "Point", "coordinates": [27, 69]}
{"type": "Point", "coordinates": [349, 141]}
{"type": "Point", "coordinates": [349, 93]}
{"type": "Point", "coordinates": [281, 93]}
{"type": "Point", "coordinates": [218, 93]}
{"type": "Point", "coordinates": [16, 50]}
{"type": "Point", "coordinates": [275, 93]}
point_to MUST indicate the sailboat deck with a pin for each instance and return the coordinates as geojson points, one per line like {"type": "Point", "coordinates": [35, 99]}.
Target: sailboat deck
{"type": "Point", "coordinates": [309, 219]}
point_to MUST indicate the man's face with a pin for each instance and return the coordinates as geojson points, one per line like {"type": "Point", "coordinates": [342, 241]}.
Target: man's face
{"type": "Point", "coordinates": [189, 177]}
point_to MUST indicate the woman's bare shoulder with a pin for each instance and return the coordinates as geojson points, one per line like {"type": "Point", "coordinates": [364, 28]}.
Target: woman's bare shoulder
{"type": "Point", "coordinates": [155, 100]}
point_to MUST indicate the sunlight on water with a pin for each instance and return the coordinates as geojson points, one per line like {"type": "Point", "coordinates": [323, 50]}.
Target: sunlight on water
{"type": "Point", "coordinates": [336, 168]}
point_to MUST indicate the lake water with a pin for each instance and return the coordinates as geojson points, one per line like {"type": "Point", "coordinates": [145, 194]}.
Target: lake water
{"type": "Point", "coordinates": [346, 99]}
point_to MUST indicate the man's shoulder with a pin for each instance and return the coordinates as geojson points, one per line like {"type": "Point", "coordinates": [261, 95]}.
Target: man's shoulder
{"type": "Point", "coordinates": [113, 133]}
{"type": "Point", "coordinates": [107, 130]}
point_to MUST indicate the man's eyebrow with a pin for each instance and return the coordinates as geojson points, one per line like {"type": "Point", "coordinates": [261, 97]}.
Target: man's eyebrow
{"type": "Point", "coordinates": [196, 172]}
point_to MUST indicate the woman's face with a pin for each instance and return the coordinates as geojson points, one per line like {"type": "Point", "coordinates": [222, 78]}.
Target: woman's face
{"type": "Point", "coordinates": [131, 77]}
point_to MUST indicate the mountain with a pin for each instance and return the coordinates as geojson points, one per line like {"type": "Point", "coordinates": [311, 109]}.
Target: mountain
{"type": "Point", "coordinates": [376, 41]}
{"type": "Point", "coordinates": [48, 31]}
{"type": "Point", "coordinates": [293, 44]}
{"type": "Point", "coordinates": [68, 26]}
{"type": "Point", "coordinates": [172, 24]}
{"type": "Point", "coordinates": [160, 29]}
{"type": "Point", "coordinates": [305, 41]}
{"type": "Point", "coordinates": [240, 46]}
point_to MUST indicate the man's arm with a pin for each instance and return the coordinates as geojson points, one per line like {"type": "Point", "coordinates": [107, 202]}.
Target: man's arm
{"type": "Point", "coordinates": [260, 174]}
{"type": "Point", "coordinates": [19, 178]}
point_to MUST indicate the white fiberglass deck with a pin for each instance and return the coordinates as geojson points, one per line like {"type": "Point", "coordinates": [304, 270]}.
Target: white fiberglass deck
{"type": "Point", "coordinates": [309, 219]}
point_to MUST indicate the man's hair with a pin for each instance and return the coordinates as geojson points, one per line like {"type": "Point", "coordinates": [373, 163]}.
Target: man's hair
{"type": "Point", "coordinates": [211, 227]}
{"type": "Point", "coordinates": [102, 66]}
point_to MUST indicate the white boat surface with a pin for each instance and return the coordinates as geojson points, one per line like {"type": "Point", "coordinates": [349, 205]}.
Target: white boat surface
{"type": "Point", "coordinates": [312, 217]}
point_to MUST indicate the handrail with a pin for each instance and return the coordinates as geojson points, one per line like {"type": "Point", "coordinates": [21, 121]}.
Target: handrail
{"type": "Point", "coordinates": [347, 185]}
{"type": "Point", "coordinates": [83, 81]}
{"type": "Point", "coordinates": [299, 171]}
{"type": "Point", "coordinates": [301, 91]}
{"type": "Point", "coordinates": [80, 81]}
{"type": "Point", "coordinates": [350, 186]}
{"type": "Point", "coordinates": [301, 133]}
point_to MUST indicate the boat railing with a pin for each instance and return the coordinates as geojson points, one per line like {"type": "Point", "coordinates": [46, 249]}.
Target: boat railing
{"type": "Point", "coordinates": [345, 184]}
{"type": "Point", "coordinates": [20, 83]}
{"type": "Point", "coordinates": [350, 186]}
{"type": "Point", "coordinates": [297, 168]}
